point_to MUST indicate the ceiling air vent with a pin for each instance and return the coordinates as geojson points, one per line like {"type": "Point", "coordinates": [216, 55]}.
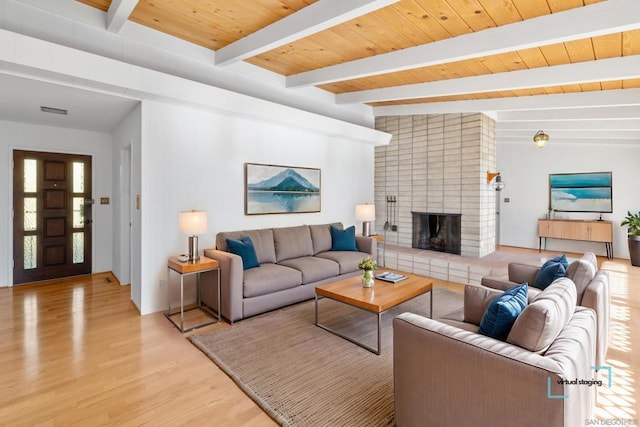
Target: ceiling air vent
{"type": "Point", "coordinates": [53, 110]}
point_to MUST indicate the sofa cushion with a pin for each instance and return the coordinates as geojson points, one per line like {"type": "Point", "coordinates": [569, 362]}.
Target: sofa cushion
{"type": "Point", "coordinates": [591, 257]}
{"type": "Point", "coordinates": [476, 301]}
{"type": "Point", "coordinates": [262, 242]}
{"type": "Point", "coordinates": [292, 242]}
{"type": "Point", "coordinates": [244, 248]}
{"type": "Point", "coordinates": [549, 272]}
{"type": "Point", "coordinates": [542, 320]}
{"type": "Point", "coordinates": [582, 273]}
{"type": "Point", "coordinates": [347, 260]}
{"type": "Point", "coordinates": [343, 240]}
{"type": "Point", "coordinates": [503, 311]}
{"type": "Point", "coordinates": [321, 236]}
{"type": "Point", "coordinates": [269, 278]}
{"type": "Point", "coordinates": [313, 269]}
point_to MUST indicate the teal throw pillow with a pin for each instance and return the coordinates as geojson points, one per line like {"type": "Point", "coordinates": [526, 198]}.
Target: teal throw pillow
{"type": "Point", "coordinates": [562, 259]}
{"type": "Point", "coordinates": [503, 312]}
{"type": "Point", "coordinates": [549, 272]}
{"type": "Point", "coordinates": [343, 240]}
{"type": "Point", "coordinates": [245, 249]}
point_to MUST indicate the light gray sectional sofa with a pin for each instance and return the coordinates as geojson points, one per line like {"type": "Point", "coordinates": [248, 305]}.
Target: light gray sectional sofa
{"type": "Point", "coordinates": [293, 261]}
{"type": "Point", "coordinates": [525, 381]}
{"type": "Point", "coordinates": [592, 291]}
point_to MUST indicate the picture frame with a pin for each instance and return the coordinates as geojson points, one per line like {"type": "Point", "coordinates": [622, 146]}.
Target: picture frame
{"type": "Point", "coordinates": [581, 192]}
{"type": "Point", "coordinates": [278, 189]}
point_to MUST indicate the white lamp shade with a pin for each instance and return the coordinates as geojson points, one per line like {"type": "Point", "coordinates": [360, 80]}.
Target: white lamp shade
{"type": "Point", "coordinates": [193, 222]}
{"type": "Point", "coordinates": [366, 212]}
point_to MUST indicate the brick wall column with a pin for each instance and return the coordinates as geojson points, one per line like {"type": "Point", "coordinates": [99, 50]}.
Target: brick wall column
{"type": "Point", "coordinates": [438, 163]}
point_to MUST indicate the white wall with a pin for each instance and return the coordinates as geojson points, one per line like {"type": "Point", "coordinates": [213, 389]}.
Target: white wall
{"type": "Point", "coordinates": [127, 238]}
{"type": "Point", "coordinates": [24, 136]}
{"type": "Point", "coordinates": [194, 159]}
{"type": "Point", "coordinates": [525, 169]}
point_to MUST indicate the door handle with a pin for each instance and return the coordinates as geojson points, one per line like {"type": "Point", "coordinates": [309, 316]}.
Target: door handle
{"type": "Point", "coordinates": [89, 201]}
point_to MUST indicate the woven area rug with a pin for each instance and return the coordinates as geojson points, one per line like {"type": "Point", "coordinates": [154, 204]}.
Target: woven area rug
{"type": "Point", "coordinates": [302, 375]}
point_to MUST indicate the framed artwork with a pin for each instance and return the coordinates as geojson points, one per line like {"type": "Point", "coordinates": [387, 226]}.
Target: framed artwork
{"type": "Point", "coordinates": [273, 189]}
{"type": "Point", "coordinates": [581, 192]}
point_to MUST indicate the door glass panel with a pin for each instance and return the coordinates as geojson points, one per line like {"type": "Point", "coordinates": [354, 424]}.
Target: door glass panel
{"type": "Point", "coordinates": [29, 213]}
{"type": "Point", "coordinates": [30, 252]}
{"type": "Point", "coordinates": [78, 177]}
{"type": "Point", "coordinates": [78, 248]}
{"type": "Point", "coordinates": [78, 212]}
{"type": "Point", "coordinates": [30, 176]}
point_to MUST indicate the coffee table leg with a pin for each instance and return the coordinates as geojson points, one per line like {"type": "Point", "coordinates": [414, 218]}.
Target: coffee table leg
{"type": "Point", "coordinates": [379, 333]}
{"type": "Point", "coordinates": [431, 303]}
{"type": "Point", "coordinates": [356, 342]}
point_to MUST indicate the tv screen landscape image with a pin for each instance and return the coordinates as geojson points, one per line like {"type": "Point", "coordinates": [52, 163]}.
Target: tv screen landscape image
{"type": "Point", "coordinates": [581, 192]}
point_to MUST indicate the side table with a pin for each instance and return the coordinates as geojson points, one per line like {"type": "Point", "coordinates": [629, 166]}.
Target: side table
{"type": "Point", "coordinates": [186, 269]}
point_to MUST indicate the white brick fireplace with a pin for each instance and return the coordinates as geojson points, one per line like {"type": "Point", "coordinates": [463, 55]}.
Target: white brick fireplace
{"type": "Point", "coordinates": [437, 164]}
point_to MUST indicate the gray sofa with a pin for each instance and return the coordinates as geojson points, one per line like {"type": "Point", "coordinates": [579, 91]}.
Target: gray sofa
{"type": "Point", "coordinates": [592, 290]}
{"type": "Point", "coordinates": [293, 261]}
{"type": "Point", "coordinates": [440, 363]}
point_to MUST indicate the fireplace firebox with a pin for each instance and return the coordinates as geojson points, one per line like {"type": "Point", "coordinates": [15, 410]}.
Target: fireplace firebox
{"type": "Point", "coordinates": [437, 232]}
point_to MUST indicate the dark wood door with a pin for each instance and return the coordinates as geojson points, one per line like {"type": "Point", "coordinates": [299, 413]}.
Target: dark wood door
{"type": "Point", "coordinates": [52, 215]}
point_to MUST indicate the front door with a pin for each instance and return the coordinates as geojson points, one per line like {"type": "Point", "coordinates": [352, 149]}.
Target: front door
{"type": "Point", "coordinates": [51, 215]}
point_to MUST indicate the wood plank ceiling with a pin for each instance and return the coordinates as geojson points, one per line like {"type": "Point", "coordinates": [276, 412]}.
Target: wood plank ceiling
{"type": "Point", "coordinates": [215, 24]}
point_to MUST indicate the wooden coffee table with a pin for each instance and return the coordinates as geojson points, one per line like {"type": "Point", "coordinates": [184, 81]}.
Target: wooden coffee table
{"type": "Point", "coordinates": [378, 299]}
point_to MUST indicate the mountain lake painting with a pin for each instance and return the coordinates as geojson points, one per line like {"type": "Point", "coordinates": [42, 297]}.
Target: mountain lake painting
{"type": "Point", "coordinates": [273, 189]}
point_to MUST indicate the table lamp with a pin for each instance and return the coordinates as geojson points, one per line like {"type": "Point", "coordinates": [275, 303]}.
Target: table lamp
{"type": "Point", "coordinates": [193, 223]}
{"type": "Point", "coordinates": [366, 213]}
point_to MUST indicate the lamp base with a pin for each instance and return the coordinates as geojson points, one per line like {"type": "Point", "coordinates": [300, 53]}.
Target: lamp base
{"type": "Point", "coordinates": [193, 249]}
{"type": "Point", "coordinates": [366, 228]}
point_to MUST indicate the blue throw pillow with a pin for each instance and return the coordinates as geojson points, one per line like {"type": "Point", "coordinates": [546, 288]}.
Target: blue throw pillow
{"type": "Point", "coordinates": [503, 312]}
{"type": "Point", "coordinates": [245, 249]}
{"type": "Point", "coordinates": [562, 259]}
{"type": "Point", "coordinates": [549, 272]}
{"type": "Point", "coordinates": [343, 240]}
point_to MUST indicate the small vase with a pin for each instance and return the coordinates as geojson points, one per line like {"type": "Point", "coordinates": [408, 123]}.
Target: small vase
{"type": "Point", "coordinates": [367, 279]}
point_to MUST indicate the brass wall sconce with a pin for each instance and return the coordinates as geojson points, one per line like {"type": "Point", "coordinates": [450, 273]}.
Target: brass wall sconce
{"type": "Point", "coordinates": [498, 184]}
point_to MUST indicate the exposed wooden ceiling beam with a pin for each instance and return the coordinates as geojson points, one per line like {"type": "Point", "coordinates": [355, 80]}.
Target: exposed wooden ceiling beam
{"type": "Point", "coordinates": [600, 136]}
{"type": "Point", "coordinates": [575, 114]}
{"type": "Point", "coordinates": [627, 67]}
{"type": "Point", "coordinates": [604, 98]}
{"type": "Point", "coordinates": [305, 22]}
{"type": "Point", "coordinates": [118, 13]}
{"type": "Point", "coordinates": [589, 21]}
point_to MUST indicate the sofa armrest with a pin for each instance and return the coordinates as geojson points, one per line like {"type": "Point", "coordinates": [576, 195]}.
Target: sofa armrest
{"type": "Point", "coordinates": [368, 245]}
{"type": "Point", "coordinates": [231, 290]}
{"type": "Point", "coordinates": [437, 366]}
{"type": "Point", "coordinates": [499, 283]}
{"type": "Point", "coordinates": [520, 273]}
{"type": "Point", "coordinates": [596, 297]}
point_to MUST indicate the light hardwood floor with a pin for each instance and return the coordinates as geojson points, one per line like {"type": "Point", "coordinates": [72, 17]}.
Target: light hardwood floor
{"type": "Point", "coordinates": [76, 352]}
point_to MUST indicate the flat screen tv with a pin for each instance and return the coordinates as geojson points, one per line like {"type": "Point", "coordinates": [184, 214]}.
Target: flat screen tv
{"type": "Point", "coordinates": [581, 192]}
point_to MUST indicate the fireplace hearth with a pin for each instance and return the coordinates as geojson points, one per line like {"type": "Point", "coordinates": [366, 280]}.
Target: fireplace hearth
{"type": "Point", "coordinates": [437, 232]}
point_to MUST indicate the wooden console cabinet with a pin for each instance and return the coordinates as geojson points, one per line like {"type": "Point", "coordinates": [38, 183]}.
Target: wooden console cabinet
{"type": "Point", "coordinates": [573, 229]}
